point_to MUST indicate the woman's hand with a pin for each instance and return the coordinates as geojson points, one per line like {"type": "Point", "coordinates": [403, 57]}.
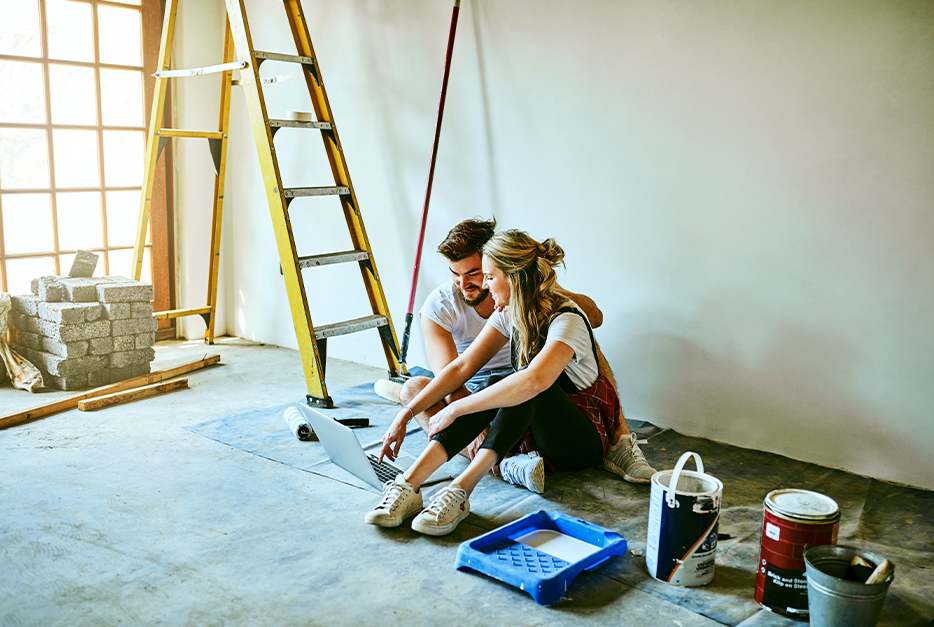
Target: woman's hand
{"type": "Point", "coordinates": [442, 419]}
{"type": "Point", "coordinates": [392, 441]}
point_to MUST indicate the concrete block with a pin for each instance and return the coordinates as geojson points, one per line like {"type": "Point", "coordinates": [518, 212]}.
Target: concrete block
{"type": "Point", "coordinates": [101, 346]}
{"type": "Point", "coordinates": [124, 343]}
{"type": "Point", "coordinates": [128, 372]}
{"type": "Point", "coordinates": [104, 376]}
{"type": "Point", "coordinates": [24, 339]}
{"type": "Point", "coordinates": [141, 310]}
{"type": "Point", "coordinates": [134, 326]}
{"type": "Point", "coordinates": [145, 340]}
{"type": "Point", "coordinates": [30, 324]}
{"type": "Point", "coordinates": [71, 350]}
{"type": "Point", "coordinates": [64, 367]}
{"type": "Point", "coordinates": [28, 304]}
{"type": "Point", "coordinates": [132, 358]}
{"type": "Point", "coordinates": [84, 264]}
{"type": "Point", "coordinates": [78, 290]}
{"type": "Point", "coordinates": [48, 289]}
{"type": "Point", "coordinates": [75, 382]}
{"type": "Point", "coordinates": [92, 312]}
{"type": "Point", "coordinates": [72, 332]}
{"type": "Point", "coordinates": [116, 311]}
{"type": "Point", "coordinates": [64, 313]}
{"type": "Point", "coordinates": [124, 291]}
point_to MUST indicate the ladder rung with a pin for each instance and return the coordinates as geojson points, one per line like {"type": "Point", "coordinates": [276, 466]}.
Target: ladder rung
{"type": "Point", "coordinates": [351, 326]}
{"type": "Point", "coordinates": [288, 58]}
{"type": "Point", "coordinates": [297, 192]}
{"type": "Point", "coordinates": [330, 258]}
{"type": "Point", "coordinates": [324, 126]}
{"type": "Point", "coordinates": [179, 313]}
{"type": "Point", "coordinates": [180, 132]}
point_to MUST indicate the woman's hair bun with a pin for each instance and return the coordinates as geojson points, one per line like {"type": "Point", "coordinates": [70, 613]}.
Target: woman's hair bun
{"type": "Point", "coordinates": [551, 252]}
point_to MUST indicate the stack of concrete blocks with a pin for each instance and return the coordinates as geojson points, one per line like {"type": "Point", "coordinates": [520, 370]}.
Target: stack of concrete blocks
{"type": "Point", "coordinates": [85, 332]}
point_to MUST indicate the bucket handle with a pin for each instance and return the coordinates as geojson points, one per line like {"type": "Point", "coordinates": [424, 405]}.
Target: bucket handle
{"type": "Point", "coordinates": [676, 475]}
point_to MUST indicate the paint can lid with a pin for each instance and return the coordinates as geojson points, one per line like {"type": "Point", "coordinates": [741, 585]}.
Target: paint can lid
{"type": "Point", "coordinates": [801, 504]}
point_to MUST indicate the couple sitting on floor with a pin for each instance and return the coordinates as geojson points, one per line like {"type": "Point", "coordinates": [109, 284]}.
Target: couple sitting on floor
{"type": "Point", "coordinates": [520, 381]}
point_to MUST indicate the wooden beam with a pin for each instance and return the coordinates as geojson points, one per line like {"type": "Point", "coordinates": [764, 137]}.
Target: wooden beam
{"type": "Point", "coordinates": [40, 411]}
{"type": "Point", "coordinates": [92, 404]}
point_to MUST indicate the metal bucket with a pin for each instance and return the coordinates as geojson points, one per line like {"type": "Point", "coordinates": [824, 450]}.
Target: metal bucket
{"type": "Point", "coordinates": [836, 602]}
{"type": "Point", "coordinates": [684, 513]}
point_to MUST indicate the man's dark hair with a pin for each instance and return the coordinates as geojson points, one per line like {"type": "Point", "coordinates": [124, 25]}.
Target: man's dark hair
{"type": "Point", "coordinates": [467, 238]}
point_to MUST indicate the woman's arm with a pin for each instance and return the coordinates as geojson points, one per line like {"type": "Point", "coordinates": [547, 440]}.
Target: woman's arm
{"type": "Point", "coordinates": [517, 388]}
{"type": "Point", "coordinates": [451, 378]}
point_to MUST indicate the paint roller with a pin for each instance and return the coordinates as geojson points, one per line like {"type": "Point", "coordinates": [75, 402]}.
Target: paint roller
{"type": "Point", "coordinates": [298, 424]}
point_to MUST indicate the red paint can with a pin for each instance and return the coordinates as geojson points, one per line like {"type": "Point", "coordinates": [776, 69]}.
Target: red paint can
{"type": "Point", "coordinates": [794, 521]}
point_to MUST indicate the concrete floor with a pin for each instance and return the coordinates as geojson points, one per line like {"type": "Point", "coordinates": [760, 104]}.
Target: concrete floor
{"type": "Point", "coordinates": [123, 517]}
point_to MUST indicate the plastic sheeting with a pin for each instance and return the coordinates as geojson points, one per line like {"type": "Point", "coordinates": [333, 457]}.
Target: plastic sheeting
{"type": "Point", "coordinates": [23, 374]}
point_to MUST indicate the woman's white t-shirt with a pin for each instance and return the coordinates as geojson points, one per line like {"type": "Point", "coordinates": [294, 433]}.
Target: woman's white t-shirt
{"type": "Point", "coordinates": [568, 328]}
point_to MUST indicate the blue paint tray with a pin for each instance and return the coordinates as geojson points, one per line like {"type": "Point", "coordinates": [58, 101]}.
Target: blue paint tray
{"type": "Point", "coordinates": [540, 553]}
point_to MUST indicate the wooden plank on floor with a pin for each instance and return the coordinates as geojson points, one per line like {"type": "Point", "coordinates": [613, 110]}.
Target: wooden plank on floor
{"type": "Point", "coordinates": [41, 411]}
{"type": "Point", "coordinates": [92, 404]}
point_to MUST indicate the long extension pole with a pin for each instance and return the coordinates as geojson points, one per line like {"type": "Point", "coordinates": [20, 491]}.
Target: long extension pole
{"type": "Point", "coordinates": [431, 176]}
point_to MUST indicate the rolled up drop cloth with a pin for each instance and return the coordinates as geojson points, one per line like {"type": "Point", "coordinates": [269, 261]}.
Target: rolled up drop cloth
{"type": "Point", "coordinates": [23, 374]}
{"type": "Point", "coordinates": [298, 424]}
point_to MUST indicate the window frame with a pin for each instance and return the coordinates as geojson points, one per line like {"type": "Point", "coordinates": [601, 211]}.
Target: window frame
{"type": "Point", "coordinates": [161, 246]}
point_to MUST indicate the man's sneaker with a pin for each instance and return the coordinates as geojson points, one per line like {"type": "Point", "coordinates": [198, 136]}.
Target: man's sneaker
{"type": "Point", "coordinates": [389, 390]}
{"type": "Point", "coordinates": [527, 469]}
{"type": "Point", "coordinates": [626, 460]}
{"type": "Point", "coordinates": [447, 509]}
{"type": "Point", "coordinates": [400, 500]}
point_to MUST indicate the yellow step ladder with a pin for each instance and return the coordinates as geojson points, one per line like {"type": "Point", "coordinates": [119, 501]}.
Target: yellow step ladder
{"type": "Point", "coordinates": [217, 143]}
{"type": "Point", "coordinates": [312, 341]}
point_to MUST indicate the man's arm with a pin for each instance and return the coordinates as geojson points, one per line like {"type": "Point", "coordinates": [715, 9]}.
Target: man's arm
{"type": "Point", "coordinates": [440, 350]}
{"type": "Point", "coordinates": [586, 304]}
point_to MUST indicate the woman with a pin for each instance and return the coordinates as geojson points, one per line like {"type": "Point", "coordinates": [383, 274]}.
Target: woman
{"type": "Point", "coordinates": [554, 354]}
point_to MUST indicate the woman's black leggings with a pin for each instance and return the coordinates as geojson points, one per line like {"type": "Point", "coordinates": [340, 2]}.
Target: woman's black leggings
{"type": "Point", "coordinates": [562, 432]}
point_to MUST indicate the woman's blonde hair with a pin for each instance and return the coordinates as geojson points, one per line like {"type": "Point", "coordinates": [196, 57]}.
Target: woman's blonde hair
{"type": "Point", "coordinates": [533, 302]}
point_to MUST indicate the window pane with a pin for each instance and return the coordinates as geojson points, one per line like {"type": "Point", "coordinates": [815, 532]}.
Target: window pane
{"type": "Point", "coordinates": [71, 33]}
{"type": "Point", "coordinates": [121, 263]}
{"type": "Point", "coordinates": [21, 272]}
{"type": "Point", "coordinates": [122, 97]}
{"type": "Point", "coordinates": [123, 158]}
{"type": "Point", "coordinates": [79, 220]}
{"type": "Point", "coordinates": [73, 95]}
{"type": "Point", "coordinates": [27, 223]}
{"type": "Point", "coordinates": [75, 158]}
{"type": "Point", "coordinates": [122, 214]}
{"type": "Point", "coordinates": [24, 159]}
{"type": "Point", "coordinates": [123, 43]}
{"type": "Point", "coordinates": [22, 92]}
{"type": "Point", "coordinates": [19, 28]}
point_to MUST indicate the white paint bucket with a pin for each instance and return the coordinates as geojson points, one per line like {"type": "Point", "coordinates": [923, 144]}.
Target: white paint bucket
{"type": "Point", "coordinates": [684, 512]}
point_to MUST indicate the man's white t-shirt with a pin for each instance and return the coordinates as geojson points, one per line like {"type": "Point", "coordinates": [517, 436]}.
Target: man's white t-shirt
{"type": "Point", "coordinates": [570, 329]}
{"type": "Point", "coordinates": [446, 308]}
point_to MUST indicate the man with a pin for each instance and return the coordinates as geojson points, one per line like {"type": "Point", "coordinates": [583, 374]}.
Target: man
{"type": "Point", "coordinates": [453, 316]}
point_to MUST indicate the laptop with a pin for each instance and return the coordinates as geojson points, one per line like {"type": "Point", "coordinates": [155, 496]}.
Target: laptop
{"type": "Point", "coordinates": [344, 449]}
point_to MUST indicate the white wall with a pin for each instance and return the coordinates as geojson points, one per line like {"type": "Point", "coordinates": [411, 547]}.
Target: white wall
{"type": "Point", "coordinates": [746, 189]}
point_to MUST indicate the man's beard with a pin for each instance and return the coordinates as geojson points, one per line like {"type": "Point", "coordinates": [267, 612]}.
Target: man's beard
{"type": "Point", "coordinates": [473, 302]}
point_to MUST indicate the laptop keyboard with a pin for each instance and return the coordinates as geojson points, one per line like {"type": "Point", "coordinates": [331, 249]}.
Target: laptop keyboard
{"type": "Point", "coordinates": [384, 472]}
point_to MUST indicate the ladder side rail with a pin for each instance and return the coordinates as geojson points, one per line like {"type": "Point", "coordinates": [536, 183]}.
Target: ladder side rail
{"type": "Point", "coordinates": [152, 145]}
{"type": "Point", "coordinates": [335, 153]}
{"type": "Point", "coordinates": [312, 362]}
{"type": "Point", "coordinates": [219, 181]}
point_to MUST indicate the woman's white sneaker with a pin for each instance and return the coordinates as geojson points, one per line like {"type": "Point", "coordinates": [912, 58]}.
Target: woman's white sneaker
{"type": "Point", "coordinates": [525, 469]}
{"type": "Point", "coordinates": [447, 509]}
{"type": "Point", "coordinates": [400, 500]}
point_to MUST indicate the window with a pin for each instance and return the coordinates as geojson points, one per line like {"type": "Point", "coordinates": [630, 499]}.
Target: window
{"type": "Point", "coordinates": [74, 103]}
